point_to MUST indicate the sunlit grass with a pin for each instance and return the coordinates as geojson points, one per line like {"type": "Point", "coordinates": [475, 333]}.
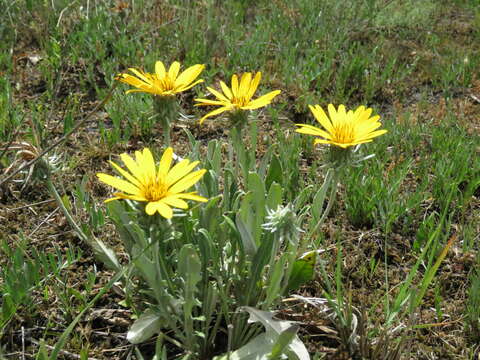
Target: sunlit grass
{"type": "Point", "coordinates": [414, 62]}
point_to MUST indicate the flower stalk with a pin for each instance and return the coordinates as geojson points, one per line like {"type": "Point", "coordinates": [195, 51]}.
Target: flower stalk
{"type": "Point", "coordinates": [167, 110]}
{"type": "Point", "coordinates": [330, 183]}
{"type": "Point", "coordinates": [341, 130]}
{"type": "Point", "coordinates": [52, 189]}
{"type": "Point", "coordinates": [237, 145]}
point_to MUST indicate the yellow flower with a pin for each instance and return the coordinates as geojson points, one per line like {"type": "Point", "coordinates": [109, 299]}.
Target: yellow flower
{"type": "Point", "coordinates": [162, 83]}
{"type": "Point", "coordinates": [343, 128]}
{"type": "Point", "coordinates": [239, 97]}
{"type": "Point", "coordinates": [162, 189]}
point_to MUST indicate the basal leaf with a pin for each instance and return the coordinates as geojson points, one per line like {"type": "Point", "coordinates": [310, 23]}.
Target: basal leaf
{"type": "Point", "coordinates": [275, 172]}
{"type": "Point", "coordinates": [144, 327]}
{"type": "Point", "coordinates": [303, 271]}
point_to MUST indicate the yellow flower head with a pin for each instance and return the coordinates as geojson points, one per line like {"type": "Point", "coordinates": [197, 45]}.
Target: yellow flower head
{"type": "Point", "coordinates": [162, 189]}
{"type": "Point", "coordinates": [343, 128]}
{"type": "Point", "coordinates": [239, 97]}
{"type": "Point", "coordinates": [162, 83]}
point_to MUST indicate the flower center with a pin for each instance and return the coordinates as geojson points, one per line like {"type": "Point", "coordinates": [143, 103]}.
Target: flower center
{"type": "Point", "coordinates": [344, 133]}
{"type": "Point", "coordinates": [165, 84]}
{"type": "Point", "coordinates": [154, 190]}
{"type": "Point", "coordinates": [240, 101]}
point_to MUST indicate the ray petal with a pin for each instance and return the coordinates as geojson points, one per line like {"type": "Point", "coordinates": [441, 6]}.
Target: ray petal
{"type": "Point", "coordinates": [321, 141]}
{"type": "Point", "coordinates": [139, 161]}
{"type": "Point", "coordinates": [148, 164]}
{"type": "Point", "coordinates": [125, 174]}
{"type": "Point", "coordinates": [192, 196]}
{"type": "Point", "coordinates": [130, 197]}
{"type": "Point", "coordinates": [372, 134]}
{"type": "Point", "coordinates": [132, 80]}
{"type": "Point", "coordinates": [244, 84]}
{"type": "Point", "coordinates": [187, 181]}
{"type": "Point", "coordinates": [189, 75]}
{"type": "Point", "coordinates": [342, 145]}
{"type": "Point", "coordinates": [235, 85]}
{"type": "Point", "coordinates": [184, 88]}
{"type": "Point", "coordinates": [359, 110]}
{"type": "Point", "coordinates": [321, 117]}
{"type": "Point", "coordinates": [254, 85]}
{"type": "Point", "coordinates": [213, 113]}
{"type": "Point", "coordinates": [133, 167]}
{"type": "Point", "coordinates": [218, 95]}
{"type": "Point", "coordinates": [356, 142]}
{"type": "Point", "coordinates": [173, 71]}
{"type": "Point", "coordinates": [332, 114]}
{"type": "Point", "coordinates": [207, 102]}
{"type": "Point", "coordinates": [261, 101]}
{"type": "Point", "coordinates": [226, 90]}
{"type": "Point", "coordinates": [160, 70]}
{"type": "Point", "coordinates": [165, 163]}
{"type": "Point", "coordinates": [140, 74]}
{"type": "Point", "coordinates": [373, 119]}
{"type": "Point", "coordinates": [112, 199]}
{"type": "Point", "coordinates": [161, 207]}
{"type": "Point", "coordinates": [364, 129]}
{"type": "Point", "coordinates": [119, 184]}
{"type": "Point", "coordinates": [312, 130]}
{"type": "Point", "coordinates": [175, 202]}
{"type": "Point", "coordinates": [342, 113]}
{"type": "Point", "coordinates": [180, 170]}
{"type": "Point", "coordinates": [150, 90]}
{"type": "Point", "coordinates": [365, 115]}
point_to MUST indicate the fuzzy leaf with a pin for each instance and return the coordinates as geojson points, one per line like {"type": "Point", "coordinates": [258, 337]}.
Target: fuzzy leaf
{"type": "Point", "coordinates": [283, 341]}
{"type": "Point", "coordinates": [275, 172]}
{"type": "Point", "coordinates": [189, 269]}
{"type": "Point", "coordinates": [245, 234]}
{"type": "Point", "coordinates": [144, 327]}
{"type": "Point", "coordinates": [257, 204]}
{"type": "Point", "coordinates": [280, 341]}
{"type": "Point", "coordinates": [274, 197]}
{"type": "Point", "coordinates": [275, 280]}
{"type": "Point", "coordinates": [105, 254]}
{"type": "Point", "coordinates": [257, 349]}
{"type": "Point", "coordinates": [319, 198]}
{"type": "Point", "coordinates": [274, 328]}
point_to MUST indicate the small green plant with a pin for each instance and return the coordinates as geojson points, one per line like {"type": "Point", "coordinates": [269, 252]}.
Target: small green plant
{"type": "Point", "coordinates": [198, 269]}
{"type": "Point", "coordinates": [25, 272]}
{"type": "Point", "coordinates": [472, 313]}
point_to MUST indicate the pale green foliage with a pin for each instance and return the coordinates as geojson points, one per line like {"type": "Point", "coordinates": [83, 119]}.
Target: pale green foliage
{"type": "Point", "coordinates": [423, 183]}
{"type": "Point", "coordinates": [200, 268]}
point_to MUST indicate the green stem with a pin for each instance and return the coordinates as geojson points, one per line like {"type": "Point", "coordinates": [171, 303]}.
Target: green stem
{"type": "Point", "coordinates": [331, 200]}
{"type": "Point", "coordinates": [238, 121]}
{"type": "Point", "coordinates": [166, 135]}
{"type": "Point", "coordinates": [81, 234]}
{"type": "Point", "coordinates": [160, 230]}
{"type": "Point", "coordinates": [277, 242]}
{"type": "Point", "coordinates": [330, 180]}
{"type": "Point", "coordinates": [239, 150]}
{"type": "Point", "coordinates": [167, 109]}
{"type": "Point", "coordinates": [292, 249]}
{"type": "Point", "coordinates": [240, 330]}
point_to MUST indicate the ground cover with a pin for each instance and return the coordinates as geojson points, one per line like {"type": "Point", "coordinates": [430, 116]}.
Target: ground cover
{"type": "Point", "coordinates": [414, 62]}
